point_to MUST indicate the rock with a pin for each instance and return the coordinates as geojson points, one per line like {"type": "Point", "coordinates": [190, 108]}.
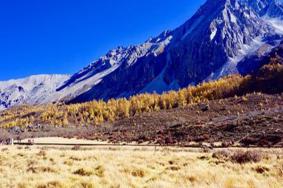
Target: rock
{"type": "Point", "coordinates": [204, 107]}
{"type": "Point", "coordinates": [15, 130]}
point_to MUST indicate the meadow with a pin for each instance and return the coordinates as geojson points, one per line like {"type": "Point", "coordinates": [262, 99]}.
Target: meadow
{"type": "Point", "coordinates": [40, 167]}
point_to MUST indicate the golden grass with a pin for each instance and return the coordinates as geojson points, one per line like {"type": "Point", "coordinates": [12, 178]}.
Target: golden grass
{"type": "Point", "coordinates": [35, 167]}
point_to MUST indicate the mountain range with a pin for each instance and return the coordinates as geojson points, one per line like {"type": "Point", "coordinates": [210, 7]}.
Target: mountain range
{"type": "Point", "coordinates": [223, 37]}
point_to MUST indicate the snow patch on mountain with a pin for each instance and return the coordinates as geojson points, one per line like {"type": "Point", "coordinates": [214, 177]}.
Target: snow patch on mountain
{"type": "Point", "coordinates": [231, 66]}
{"type": "Point", "coordinates": [158, 85]}
{"type": "Point", "coordinates": [213, 34]}
{"type": "Point", "coordinates": [277, 24]}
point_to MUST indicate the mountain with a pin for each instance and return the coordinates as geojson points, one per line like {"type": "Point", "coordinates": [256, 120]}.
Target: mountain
{"type": "Point", "coordinates": [31, 90]}
{"type": "Point", "coordinates": [223, 37]}
{"type": "Point", "coordinates": [208, 46]}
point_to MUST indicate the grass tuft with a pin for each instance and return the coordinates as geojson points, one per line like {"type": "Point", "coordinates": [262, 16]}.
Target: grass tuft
{"type": "Point", "coordinates": [83, 172]}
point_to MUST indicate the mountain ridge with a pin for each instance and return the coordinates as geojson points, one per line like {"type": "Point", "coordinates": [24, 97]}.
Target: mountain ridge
{"type": "Point", "coordinates": [216, 41]}
{"type": "Point", "coordinates": [195, 51]}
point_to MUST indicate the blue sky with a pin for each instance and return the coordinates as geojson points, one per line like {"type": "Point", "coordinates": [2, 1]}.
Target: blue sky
{"type": "Point", "coordinates": [62, 36]}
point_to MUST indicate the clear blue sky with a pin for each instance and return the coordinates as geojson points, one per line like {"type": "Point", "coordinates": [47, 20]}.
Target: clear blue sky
{"type": "Point", "coordinates": [62, 36]}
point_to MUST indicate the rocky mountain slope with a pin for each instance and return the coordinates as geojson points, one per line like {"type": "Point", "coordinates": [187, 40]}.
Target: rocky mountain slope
{"type": "Point", "coordinates": [209, 45]}
{"type": "Point", "coordinates": [31, 90]}
{"type": "Point", "coordinates": [223, 37]}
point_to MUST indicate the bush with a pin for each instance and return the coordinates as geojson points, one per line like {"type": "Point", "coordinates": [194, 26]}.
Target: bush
{"type": "Point", "coordinates": [239, 156]}
{"type": "Point", "coordinates": [222, 154]}
{"type": "Point", "coordinates": [82, 172]}
{"type": "Point", "coordinates": [246, 157]}
{"type": "Point", "coordinates": [76, 147]}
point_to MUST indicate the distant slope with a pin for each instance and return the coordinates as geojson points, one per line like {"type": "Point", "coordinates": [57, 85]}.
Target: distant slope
{"type": "Point", "coordinates": [32, 90]}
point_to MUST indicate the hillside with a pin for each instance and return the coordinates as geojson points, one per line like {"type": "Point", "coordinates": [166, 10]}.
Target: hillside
{"type": "Point", "coordinates": [210, 112]}
{"type": "Point", "coordinates": [251, 120]}
{"type": "Point", "coordinates": [31, 90]}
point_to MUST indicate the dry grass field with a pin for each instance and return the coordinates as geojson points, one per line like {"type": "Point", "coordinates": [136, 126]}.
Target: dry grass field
{"type": "Point", "coordinates": [138, 167]}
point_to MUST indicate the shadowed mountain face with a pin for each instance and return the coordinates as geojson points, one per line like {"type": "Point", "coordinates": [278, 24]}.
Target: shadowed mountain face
{"type": "Point", "coordinates": [262, 56]}
{"type": "Point", "coordinates": [222, 38]}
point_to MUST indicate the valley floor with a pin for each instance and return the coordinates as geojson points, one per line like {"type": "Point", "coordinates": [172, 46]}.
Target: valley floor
{"type": "Point", "coordinates": [60, 167]}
